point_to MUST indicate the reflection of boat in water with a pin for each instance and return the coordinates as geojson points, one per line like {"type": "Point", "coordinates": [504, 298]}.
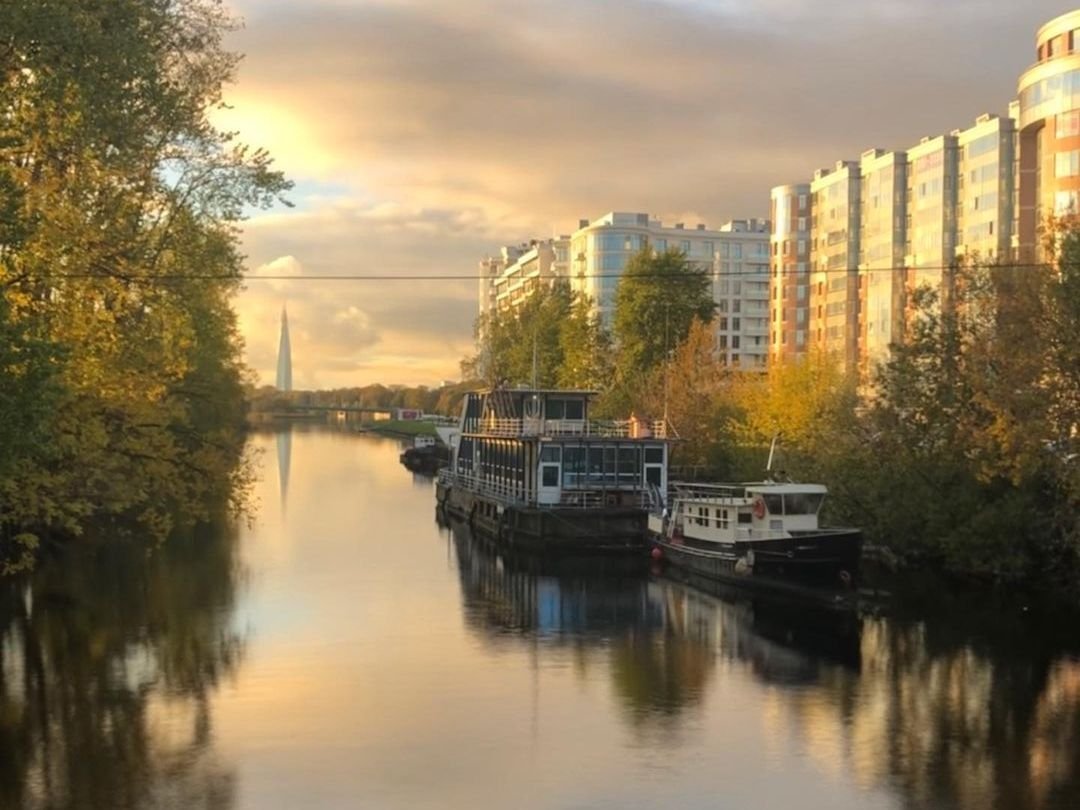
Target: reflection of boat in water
{"type": "Point", "coordinates": [426, 455]}
{"type": "Point", "coordinates": [505, 593]}
{"type": "Point", "coordinates": [786, 639]}
{"type": "Point", "coordinates": [609, 601]}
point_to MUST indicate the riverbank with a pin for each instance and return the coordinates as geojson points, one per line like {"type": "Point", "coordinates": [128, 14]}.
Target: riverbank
{"type": "Point", "coordinates": [401, 428]}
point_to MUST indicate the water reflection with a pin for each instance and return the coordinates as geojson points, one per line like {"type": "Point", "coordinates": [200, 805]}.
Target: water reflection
{"type": "Point", "coordinates": [958, 711]}
{"type": "Point", "coordinates": [284, 460]}
{"type": "Point", "coordinates": [393, 665]}
{"type": "Point", "coordinates": [108, 661]}
{"type": "Point", "coordinates": [663, 637]}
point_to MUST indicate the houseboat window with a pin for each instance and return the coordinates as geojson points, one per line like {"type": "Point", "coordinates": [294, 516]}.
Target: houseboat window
{"type": "Point", "coordinates": [596, 465]}
{"type": "Point", "coordinates": [573, 466]}
{"type": "Point", "coordinates": [551, 452]}
{"type": "Point", "coordinates": [654, 455]}
{"type": "Point", "coordinates": [629, 464]}
{"type": "Point", "coordinates": [775, 504]}
{"type": "Point", "coordinates": [745, 517]}
{"type": "Point", "coordinates": [654, 476]}
{"type": "Point", "coordinates": [550, 476]}
{"type": "Point", "coordinates": [803, 503]}
{"type": "Point", "coordinates": [565, 409]}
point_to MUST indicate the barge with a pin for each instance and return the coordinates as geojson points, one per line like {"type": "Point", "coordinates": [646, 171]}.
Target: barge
{"type": "Point", "coordinates": [530, 468]}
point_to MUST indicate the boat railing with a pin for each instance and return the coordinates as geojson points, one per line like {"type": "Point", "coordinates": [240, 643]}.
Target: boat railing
{"type": "Point", "coordinates": [510, 493]}
{"type": "Point", "coordinates": [514, 494]}
{"type": "Point", "coordinates": [695, 491]}
{"type": "Point", "coordinates": [591, 428]}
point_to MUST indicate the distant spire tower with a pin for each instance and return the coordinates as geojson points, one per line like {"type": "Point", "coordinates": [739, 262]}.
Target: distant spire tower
{"type": "Point", "coordinates": [284, 356]}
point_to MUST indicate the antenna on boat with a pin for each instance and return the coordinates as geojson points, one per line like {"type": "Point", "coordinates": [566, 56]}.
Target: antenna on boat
{"type": "Point", "coordinates": [667, 359]}
{"type": "Point", "coordinates": [772, 454]}
{"type": "Point", "coordinates": [534, 361]}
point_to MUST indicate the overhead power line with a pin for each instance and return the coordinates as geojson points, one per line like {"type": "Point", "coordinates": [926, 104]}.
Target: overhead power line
{"type": "Point", "coordinates": [384, 277]}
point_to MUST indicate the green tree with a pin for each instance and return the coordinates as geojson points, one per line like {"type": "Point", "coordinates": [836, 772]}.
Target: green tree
{"type": "Point", "coordinates": [658, 298]}
{"type": "Point", "coordinates": [118, 250]}
{"type": "Point", "coordinates": [585, 346]}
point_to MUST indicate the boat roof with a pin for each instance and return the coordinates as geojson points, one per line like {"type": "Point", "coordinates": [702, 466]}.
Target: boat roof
{"type": "Point", "coordinates": [527, 390]}
{"type": "Point", "coordinates": [787, 489]}
{"type": "Point", "coordinates": [758, 486]}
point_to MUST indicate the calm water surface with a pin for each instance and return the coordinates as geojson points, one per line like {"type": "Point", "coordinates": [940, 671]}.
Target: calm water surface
{"type": "Point", "coordinates": [345, 651]}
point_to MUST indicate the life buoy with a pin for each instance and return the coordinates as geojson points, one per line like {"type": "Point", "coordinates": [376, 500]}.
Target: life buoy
{"type": "Point", "coordinates": [759, 507]}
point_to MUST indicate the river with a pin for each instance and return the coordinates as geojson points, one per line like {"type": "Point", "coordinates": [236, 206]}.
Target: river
{"type": "Point", "coordinates": [344, 650]}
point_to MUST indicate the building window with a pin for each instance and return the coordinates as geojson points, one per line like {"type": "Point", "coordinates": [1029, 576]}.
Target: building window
{"type": "Point", "coordinates": [1067, 164]}
{"type": "Point", "coordinates": [660, 245]}
{"type": "Point", "coordinates": [684, 246]}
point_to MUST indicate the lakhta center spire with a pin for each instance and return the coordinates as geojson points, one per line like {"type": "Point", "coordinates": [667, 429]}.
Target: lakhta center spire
{"type": "Point", "coordinates": [284, 358]}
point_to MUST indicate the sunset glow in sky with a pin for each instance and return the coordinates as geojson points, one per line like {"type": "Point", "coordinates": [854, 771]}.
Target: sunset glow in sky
{"type": "Point", "coordinates": [424, 135]}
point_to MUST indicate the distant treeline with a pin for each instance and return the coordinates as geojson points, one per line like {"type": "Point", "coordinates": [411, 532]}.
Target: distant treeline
{"type": "Point", "coordinates": [445, 400]}
{"type": "Point", "coordinates": [121, 385]}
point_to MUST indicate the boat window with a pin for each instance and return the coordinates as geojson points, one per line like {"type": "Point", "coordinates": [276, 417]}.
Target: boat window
{"type": "Point", "coordinates": [654, 476]}
{"type": "Point", "coordinates": [573, 466]}
{"type": "Point", "coordinates": [745, 517]}
{"type": "Point", "coordinates": [550, 475]}
{"type": "Point", "coordinates": [565, 409]}
{"type": "Point", "coordinates": [551, 452]}
{"type": "Point", "coordinates": [629, 464]}
{"type": "Point", "coordinates": [803, 503]}
{"type": "Point", "coordinates": [654, 455]}
{"type": "Point", "coordinates": [775, 504]}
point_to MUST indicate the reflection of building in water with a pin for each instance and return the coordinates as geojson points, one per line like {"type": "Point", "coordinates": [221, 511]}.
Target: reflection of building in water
{"type": "Point", "coordinates": [284, 458]}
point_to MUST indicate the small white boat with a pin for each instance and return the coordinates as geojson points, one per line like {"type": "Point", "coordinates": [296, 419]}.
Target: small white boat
{"type": "Point", "coordinates": [766, 531]}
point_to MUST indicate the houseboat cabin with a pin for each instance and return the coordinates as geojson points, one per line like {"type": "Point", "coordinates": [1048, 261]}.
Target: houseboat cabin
{"type": "Point", "coordinates": [541, 448]}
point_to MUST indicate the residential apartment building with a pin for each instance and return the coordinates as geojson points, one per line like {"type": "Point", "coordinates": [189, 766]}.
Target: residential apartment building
{"type": "Point", "coordinates": [931, 211]}
{"type": "Point", "coordinates": [834, 260]}
{"type": "Point", "coordinates": [986, 184]}
{"type": "Point", "coordinates": [1048, 125]}
{"type": "Point", "coordinates": [882, 245]}
{"type": "Point", "coordinates": [978, 194]}
{"type": "Point", "coordinates": [789, 272]}
{"type": "Point", "coordinates": [539, 262]}
{"type": "Point", "coordinates": [736, 254]}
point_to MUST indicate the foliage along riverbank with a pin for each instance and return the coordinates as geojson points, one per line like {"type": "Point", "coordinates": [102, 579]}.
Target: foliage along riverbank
{"type": "Point", "coordinates": [121, 384]}
{"type": "Point", "coordinates": [961, 453]}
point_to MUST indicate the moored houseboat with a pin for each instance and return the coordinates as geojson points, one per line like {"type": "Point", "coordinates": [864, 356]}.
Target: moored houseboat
{"type": "Point", "coordinates": [764, 533]}
{"type": "Point", "coordinates": [530, 467]}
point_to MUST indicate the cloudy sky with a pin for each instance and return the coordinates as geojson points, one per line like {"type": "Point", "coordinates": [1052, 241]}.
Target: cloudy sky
{"type": "Point", "coordinates": [424, 135]}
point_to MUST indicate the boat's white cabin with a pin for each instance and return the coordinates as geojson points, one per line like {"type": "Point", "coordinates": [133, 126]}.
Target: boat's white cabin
{"type": "Point", "coordinates": [421, 442]}
{"type": "Point", "coordinates": [728, 514]}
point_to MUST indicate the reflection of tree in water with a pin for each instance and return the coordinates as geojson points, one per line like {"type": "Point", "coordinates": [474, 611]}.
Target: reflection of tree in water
{"type": "Point", "coordinates": [108, 662]}
{"type": "Point", "coordinates": [659, 674]}
{"type": "Point", "coordinates": [962, 711]}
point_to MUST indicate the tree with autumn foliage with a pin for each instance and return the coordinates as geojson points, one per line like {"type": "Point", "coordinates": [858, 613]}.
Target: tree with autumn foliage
{"type": "Point", "coordinates": [118, 261]}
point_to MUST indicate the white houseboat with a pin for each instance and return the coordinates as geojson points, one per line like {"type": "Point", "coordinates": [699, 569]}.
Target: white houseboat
{"type": "Point", "coordinates": [529, 466]}
{"type": "Point", "coordinates": [765, 533]}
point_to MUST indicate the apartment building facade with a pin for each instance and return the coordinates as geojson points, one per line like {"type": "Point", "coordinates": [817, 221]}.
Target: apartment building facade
{"type": "Point", "coordinates": [1048, 126]}
{"type": "Point", "coordinates": [882, 245]}
{"type": "Point", "coordinates": [789, 272]}
{"type": "Point", "coordinates": [736, 255]}
{"type": "Point", "coordinates": [979, 194]}
{"type": "Point", "coordinates": [834, 257]}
